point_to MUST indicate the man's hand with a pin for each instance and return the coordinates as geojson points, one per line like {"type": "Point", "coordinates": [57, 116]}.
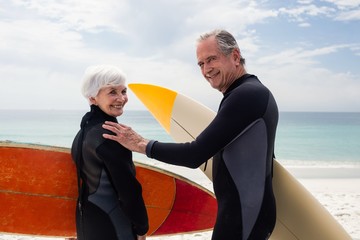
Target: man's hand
{"type": "Point", "coordinates": [126, 137]}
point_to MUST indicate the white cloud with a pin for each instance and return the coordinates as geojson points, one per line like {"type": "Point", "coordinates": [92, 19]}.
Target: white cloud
{"type": "Point", "coordinates": [345, 4]}
{"type": "Point", "coordinates": [301, 55]}
{"type": "Point", "coordinates": [235, 16]}
{"type": "Point", "coordinates": [88, 15]}
{"type": "Point", "coordinates": [349, 10]}
{"type": "Point", "coordinates": [300, 83]}
{"type": "Point", "coordinates": [340, 10]}
{"type": "Point", "coordinates": [38, 36]}
{"type": "Point", "coordinates": [302, 12]}
{"type": "Point", "coordinates": [46, 45]}
{"type": "Point", "coordinates": [351, 15]}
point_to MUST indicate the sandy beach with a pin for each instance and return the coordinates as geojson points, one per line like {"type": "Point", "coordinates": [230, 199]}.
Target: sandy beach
{"type": "Point", "coordinates": [337, 189]}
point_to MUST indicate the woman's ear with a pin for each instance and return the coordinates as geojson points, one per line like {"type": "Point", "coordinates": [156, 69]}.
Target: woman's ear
{"type": "Point", "coordinates": [92, 100]}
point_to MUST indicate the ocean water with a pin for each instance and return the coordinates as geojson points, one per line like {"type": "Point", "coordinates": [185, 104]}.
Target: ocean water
{"type": "Point", "coordinates": [303, 138]}
{"type": "Point", "coordinates": [318, 138]}
{"type": "Point", "coordinates": [311, 141]}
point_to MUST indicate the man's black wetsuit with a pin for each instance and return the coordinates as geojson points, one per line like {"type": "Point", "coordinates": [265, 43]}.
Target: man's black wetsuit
{"type": "Point", "coordinates": [241, 140]}
{"type": "Point", "coordinates": [112, 206]}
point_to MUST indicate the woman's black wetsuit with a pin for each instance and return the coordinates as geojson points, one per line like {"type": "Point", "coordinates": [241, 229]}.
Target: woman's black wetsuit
{"type": "Point", "coordinates": [112, 206]}
{"type": "Point", "coordinates": [241, 141]}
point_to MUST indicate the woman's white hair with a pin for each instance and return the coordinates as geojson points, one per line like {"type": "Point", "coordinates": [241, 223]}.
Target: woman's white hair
{"type": "Point", "coordinates": [99, 76]}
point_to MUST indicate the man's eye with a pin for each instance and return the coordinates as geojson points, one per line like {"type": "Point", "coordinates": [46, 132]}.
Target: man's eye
{"type": "Point", "coordinates": [211, 59]}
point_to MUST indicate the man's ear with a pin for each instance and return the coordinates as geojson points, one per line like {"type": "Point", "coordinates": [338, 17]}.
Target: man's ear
{"type": "Point", "coordinates": [236, 55]}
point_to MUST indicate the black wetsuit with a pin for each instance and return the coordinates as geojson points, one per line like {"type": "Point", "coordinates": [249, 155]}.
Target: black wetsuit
{"type": "Point", "coordinates": [112, 206]}
{"type": "Point", "coordinates": [241, 141]}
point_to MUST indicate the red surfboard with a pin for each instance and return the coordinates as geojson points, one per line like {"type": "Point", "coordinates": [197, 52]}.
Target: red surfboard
{"type": "Point", "coordinates": [38, 191]}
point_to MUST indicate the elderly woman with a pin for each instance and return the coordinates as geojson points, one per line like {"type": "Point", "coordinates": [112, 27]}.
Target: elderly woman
{"type": "Point", "coordinates": [110, 203]}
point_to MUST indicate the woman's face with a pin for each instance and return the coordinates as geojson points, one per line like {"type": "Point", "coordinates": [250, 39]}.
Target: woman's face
{"type": "Point", "coordinates": [111, 100]}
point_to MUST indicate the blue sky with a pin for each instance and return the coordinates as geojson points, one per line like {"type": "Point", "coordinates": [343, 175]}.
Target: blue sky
{"type": "Point", "coordinates": [307, 52]}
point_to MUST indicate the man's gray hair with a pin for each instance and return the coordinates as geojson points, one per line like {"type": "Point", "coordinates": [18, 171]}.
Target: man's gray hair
{"type": "Point", "coordinates": [225, 40]}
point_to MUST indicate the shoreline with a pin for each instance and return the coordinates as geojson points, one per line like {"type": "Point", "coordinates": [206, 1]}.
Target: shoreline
{"type": "Point", "coordinates": [321, 172]}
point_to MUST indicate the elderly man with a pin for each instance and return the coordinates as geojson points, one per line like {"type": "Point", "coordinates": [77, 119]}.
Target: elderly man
{"type": "Point", "coordinates": [240, 139]}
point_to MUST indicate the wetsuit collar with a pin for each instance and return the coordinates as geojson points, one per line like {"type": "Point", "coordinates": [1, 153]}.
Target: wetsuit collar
{"type": "Point", "coordinates": [97, 115]}
{"type": "Point", "coordinates": [237, 82]}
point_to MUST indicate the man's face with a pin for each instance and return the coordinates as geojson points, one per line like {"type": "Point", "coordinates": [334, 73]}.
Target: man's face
{"type": "Point", "coordinates": [218, 69]}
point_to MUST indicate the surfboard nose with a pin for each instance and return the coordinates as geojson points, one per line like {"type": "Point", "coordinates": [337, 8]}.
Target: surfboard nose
{"type": "Point", "coordinates": [158, 100]}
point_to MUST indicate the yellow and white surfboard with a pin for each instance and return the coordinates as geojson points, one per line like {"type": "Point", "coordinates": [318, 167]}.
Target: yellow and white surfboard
{"type": "Point", "coordinates": [299, 215]}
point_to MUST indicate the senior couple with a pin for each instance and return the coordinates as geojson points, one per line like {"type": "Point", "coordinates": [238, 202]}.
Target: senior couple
{"type": "Point", "coordinates": [240, 139]}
